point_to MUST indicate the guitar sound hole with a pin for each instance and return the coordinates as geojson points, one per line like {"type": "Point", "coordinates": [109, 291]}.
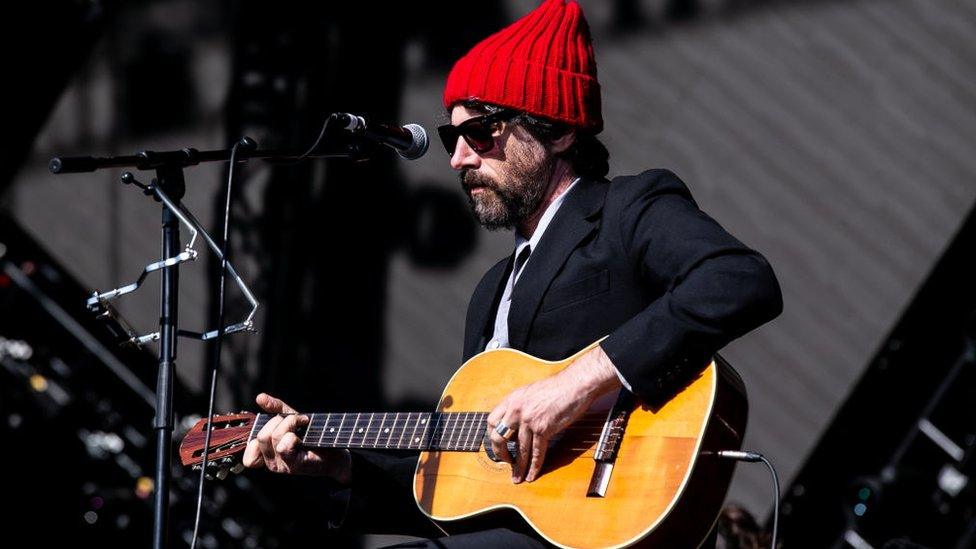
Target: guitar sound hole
{"type": "Point", "coordinates": [512, 449]}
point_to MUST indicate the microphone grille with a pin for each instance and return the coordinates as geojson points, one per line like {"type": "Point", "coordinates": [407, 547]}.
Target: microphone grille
{"type": "Point", "coordinates": [419, 144]}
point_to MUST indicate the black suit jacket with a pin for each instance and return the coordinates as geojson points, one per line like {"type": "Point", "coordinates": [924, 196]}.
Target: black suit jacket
{"type": "Point", "coordinates": [634, 259]}
{"type": "Point", "coordinates": [637, 260]}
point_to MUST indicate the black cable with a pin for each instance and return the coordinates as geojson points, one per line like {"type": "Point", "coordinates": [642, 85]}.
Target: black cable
{"type": "Point", "coordinates": [249, 144]}
{"type": "Point", "coordinates": [310, 150]}
{"type": "Point", "coordinates": [753, 457]}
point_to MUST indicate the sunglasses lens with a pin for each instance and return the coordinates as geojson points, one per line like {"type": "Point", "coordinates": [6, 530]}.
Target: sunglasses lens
{"type": "Point", "coordinates": [449, 136]}
{"type": "Point", "coordinates": [479, 136]}
{"type": "Point", "coordinates": [476, 133]}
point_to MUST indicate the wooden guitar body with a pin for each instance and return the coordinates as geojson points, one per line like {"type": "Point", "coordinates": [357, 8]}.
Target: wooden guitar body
{"type": "Point", "coordinates": [666, 487]}
{"type": "Point", "coordinates": [662, 484]}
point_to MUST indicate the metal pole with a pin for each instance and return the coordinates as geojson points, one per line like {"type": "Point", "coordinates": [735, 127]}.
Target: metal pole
{"type": "Point", "coordinates": [171, 180]}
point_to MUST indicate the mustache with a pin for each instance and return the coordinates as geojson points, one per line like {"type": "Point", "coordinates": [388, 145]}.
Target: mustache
{"type": "Point", "coordinates": [470, 179]}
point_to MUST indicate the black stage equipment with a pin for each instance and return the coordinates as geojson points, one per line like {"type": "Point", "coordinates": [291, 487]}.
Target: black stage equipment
{"type": "Point", "coordinates": [898, 463]}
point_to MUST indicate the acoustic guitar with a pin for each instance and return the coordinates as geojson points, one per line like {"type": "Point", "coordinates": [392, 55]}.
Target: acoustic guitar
{"type": "Point", "coordinates": [626, 473]}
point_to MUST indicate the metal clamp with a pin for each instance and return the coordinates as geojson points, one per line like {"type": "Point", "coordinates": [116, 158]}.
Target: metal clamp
{"type": "Point", "coordinates": [99, 301]}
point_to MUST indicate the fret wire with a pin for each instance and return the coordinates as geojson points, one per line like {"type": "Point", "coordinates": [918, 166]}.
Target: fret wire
{"type": "Point", "coordinates": [442, 420]}
{"type": "Point", "coordinates": [448, 430]}
{"type": "Point", "coordinates": [376, 443]}
{"type": "Point", "coordinates": [483, 423]}
{"type": "Point", "coordinates": [355, 426]}
{"type": "Point", "coordinates": [305, 436]}
{"type": "Point", "coordinates": [462, 440]}
{"type": "Point", "coordinates": [473, 433]}
{"type": "Point", "coordinates": [406, 426]}
{"type": "Point", "coordinates": [432, 423]}
{"type": "Point", "coordinates": [393, 429]}
{"type": "Point", "coordinates": [423, 436]}
{"type": "Point", "coordinates": [413, 435]}
{"type": "Point", "coordinates": [466, 427]}
{"type": "Point", "coordinates": [446, 418]}
{"type": "Point", "coordinates": [362, 441]}
{"type": "Point", "coordinates": [462, 437]}
{"type": "Point", "coordinates": [471, 429]}
{"type": "Point", "coordinates": [437, 438]}
{"type": "Point", "coordinates": [477, 432]}
{"type": "Point", "coordinates": [322, 434]}
{"type": "Point", "coordinates": [327, 428]}
{"type": "Point", "coordinates": [436, 432]}
{"type": "Point", "coordinates": [463, 420]}
{"type": "Point", "coordinates": [335, 443]}
{"type": "Point", "coordinates": [425, 439]}
{"type": "Point", "coordinates": [254, 429]}
{"type": "Point", "coordinates": [403, 431]}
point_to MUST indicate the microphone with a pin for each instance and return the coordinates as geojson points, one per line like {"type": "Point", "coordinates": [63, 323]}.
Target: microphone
{"type": "Point", "coordinates": [409, 141]}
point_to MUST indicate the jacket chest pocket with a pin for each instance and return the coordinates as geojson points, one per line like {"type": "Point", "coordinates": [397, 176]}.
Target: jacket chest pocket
{"type": "Point", "coordinates": [576, 291]}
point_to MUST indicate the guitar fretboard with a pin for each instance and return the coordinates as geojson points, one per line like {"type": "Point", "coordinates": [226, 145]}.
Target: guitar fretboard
{"type": "Point", "coordinates": [454, 431]}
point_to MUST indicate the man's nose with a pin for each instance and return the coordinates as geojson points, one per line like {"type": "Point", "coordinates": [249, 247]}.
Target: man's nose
{"type": "Point", "coordinates": [464, 156]}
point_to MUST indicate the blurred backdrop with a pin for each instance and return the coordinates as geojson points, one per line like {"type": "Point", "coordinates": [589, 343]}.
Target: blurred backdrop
{"type": "Point", "coordinates": [833, 136]}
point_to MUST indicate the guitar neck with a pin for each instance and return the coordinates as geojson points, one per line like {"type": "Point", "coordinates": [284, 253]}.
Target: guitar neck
{"type": "Point", "coordinates": [450, 431]}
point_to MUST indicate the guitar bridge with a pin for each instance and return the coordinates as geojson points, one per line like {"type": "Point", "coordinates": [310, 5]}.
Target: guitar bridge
{"type": "Point", "coordinates": [600, 480]}
{"type": "Point", "coordinates": [606, 450]}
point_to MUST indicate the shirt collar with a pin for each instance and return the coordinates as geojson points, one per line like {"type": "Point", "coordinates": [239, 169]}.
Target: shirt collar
{"type": "Point", "coordinates": [521, 242]}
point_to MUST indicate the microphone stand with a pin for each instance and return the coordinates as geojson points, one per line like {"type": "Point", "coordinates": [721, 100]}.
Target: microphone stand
{"type": "Point", "coordinates": [169, 167]}
{"type": "Point", "coordinates": [170, 179]}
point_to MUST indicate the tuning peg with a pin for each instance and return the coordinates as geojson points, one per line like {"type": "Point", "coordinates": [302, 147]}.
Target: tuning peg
{"type": "Point", "coordinates": [237, 468]}
{"type": "Point", "coordinates": [222, 473]}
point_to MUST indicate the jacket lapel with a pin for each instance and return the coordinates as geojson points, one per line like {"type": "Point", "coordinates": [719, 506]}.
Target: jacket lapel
{"type": "Point", "coordinates": [575, 220]}
{"type": "Point", "coordinates": [484, 303]}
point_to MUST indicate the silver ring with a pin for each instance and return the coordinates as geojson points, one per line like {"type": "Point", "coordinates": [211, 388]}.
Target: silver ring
{"type": "Point", "coordinates": [504, 431]}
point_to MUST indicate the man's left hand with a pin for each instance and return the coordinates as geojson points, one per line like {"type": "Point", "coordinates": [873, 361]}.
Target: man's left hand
{"type": "Point", "coordinates": [539, 411]}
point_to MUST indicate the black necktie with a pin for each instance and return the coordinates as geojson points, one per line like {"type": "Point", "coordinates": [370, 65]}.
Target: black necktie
{"type": "Point", "coordinates": [523, 256]}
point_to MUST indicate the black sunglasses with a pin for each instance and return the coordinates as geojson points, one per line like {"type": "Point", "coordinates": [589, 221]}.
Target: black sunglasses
{"type": "Point", "coordinates": [478, 132]}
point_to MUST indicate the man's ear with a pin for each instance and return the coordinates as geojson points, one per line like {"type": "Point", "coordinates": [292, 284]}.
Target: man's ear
{"type": "Point", "coordinates": [562, 143]}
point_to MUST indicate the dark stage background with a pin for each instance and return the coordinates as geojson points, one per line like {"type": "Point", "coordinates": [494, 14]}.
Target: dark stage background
{"type": "Point", "coordinates": [833, 136]}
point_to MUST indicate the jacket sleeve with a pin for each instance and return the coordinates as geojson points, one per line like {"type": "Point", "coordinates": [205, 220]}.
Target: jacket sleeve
{"type": "Point", "coordinates": [711, 287]}
{"type": "Point", "coordinates": [380, 498]}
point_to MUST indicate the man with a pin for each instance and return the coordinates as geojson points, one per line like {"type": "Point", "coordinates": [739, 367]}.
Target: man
{"type": "Point", "coordinates": [633, 259]}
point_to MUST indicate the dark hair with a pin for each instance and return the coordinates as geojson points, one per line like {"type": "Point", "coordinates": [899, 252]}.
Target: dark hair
{"type": "Point", "coordinates": [587, 155]}
{"type": "Point", "coordinates": [739, 529]}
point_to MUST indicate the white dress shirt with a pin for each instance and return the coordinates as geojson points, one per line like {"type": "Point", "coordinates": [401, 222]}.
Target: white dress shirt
{"type": "Point", "coordinates": [499, 337]}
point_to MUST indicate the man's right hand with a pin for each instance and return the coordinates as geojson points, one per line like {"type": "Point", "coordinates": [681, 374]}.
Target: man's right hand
{"type": "Point", "coordinates": [278, 448]}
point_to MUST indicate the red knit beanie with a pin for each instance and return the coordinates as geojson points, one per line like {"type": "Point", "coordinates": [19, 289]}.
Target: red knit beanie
{"type": "Point", "coordinates": [542, 64]}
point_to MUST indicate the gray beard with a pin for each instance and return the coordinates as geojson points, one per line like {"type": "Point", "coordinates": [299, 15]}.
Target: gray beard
{"type": "Point", "coordinates": [506, 206]}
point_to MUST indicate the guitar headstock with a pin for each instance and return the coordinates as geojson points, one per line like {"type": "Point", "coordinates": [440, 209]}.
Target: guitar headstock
{"type": "Point", "coordinates": [227, 442]}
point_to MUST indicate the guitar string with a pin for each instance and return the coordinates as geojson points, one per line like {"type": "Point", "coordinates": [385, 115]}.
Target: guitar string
{"type": "Point", "coordinates": [465, 424]}
{"type": "Point", "coordinates": [585, 452]}
{"type": "Point", "coordinates": [453, 435]}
